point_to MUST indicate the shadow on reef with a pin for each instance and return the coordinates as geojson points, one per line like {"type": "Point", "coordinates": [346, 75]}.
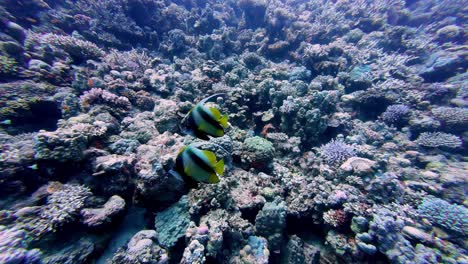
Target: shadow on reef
{"type": "Point", "coordinates": [37, 115]}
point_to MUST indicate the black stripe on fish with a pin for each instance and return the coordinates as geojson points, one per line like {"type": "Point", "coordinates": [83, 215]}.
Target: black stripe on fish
{"type": "Point", "coordinates": [179, 165]}
{"type": "Point", "coordinates": [179, 168]}
{"type": "Point", "coordinates": [208, 118]}
{"type": "Point", "coordinates": [194, 130]}
{"type": "Point", "coordinates": [199, 161]}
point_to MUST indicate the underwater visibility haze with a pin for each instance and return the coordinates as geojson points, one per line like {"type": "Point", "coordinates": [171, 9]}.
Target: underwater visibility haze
{"type": "Point", "coordinates": [240, 132]}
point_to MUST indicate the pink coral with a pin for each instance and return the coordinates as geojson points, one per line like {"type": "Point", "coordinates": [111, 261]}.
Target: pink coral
{"type": "Point", "coordinates": [100, 96]}
{"type": "Point", "coordinates": [335, 218]}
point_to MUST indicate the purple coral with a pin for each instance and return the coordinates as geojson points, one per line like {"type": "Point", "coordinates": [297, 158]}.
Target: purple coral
{"type": "Point", "coordinates": [132, 60]}
{"type": "Point", "coordinates": [395, 114]}
{"type": "Point", "coordinates": [439, 140]}
{"type": "Point", "coordinates": [336, 151]}
{"type": "Point", "coordinates": [13, 247]}
{"type": "Point", "coordinates": [64, 204]}
{"type": "Point", "coordinates": [451, 116]}
{"type": "Point", "coordinates": [100, 96]}
{"type": "Point", "coordinates": [78, 48]}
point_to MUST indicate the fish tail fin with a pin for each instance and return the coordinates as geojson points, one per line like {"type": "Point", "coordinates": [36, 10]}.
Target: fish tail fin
{"type": "Point", "coordinates": [219, 167]}
{"type": "Point", "coordinates": [209, 155]}
{"type": "Point", "coordinates": [224, 121]}
{"type": "Point", "coordinates": [213, 178]}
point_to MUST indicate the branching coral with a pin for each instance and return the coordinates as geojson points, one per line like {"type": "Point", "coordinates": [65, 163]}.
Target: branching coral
{"type": "Point", "coordinates": [12, 247]}
{"type": "Point", "coordinates": [77, 48]}
{"type": "Point", "coordinates": [8, 66]}
{"type": "Point", "coordinates": [335, 218]}
{"type": "Point", "coordinates": [336, 151]}
{"type": "Point", "coordinates": [63, 205]}
{"type": "Point", "coordinates": [438, 139]}
{"type": "Point", "coordinates": [62, 208]}
{"type": "Point", "coordinates": [100, 96]}
{"type": "Point", "coordinates": [395, 114]}
{"type": "Point", "coordinates": [451, 116]}
{"type": "Point", "coordinates": [132, 60]}
{"type": "Point", "coordinates": [449, 216]}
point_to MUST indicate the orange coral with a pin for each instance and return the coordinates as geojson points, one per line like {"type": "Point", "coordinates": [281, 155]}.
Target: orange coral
{"type": "Point", "coordinates": [90, 82]}
{"type": "Point", "coordinates": [54, 186]}
{"type": "Point", "coordinates": [266, 128]}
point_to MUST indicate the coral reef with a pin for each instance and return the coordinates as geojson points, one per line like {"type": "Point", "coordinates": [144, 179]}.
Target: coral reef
{"type": "Point", "coordinates": [256, 152]}
{"type": "Point", "coordinates": [439, 139]}
{"type": "Point", "coordinates": [142, 248]}
{"type": "Point", "coordinates": [59, 145]}
{"type": "Point", "coordinates": [336, 151]}
{"type": "Point", "coordinates": [172, 223]}
{"type": "Point", "coordinates": [13, 248]}
{"type": "Point", "coordinates": [395, 114]}
{"type": "Point", "coordinates": [345, 143]}
{"type": "Point", "coordinates": [450, 216]}
{"type": "Point", "coordinates": [270, 223]}
{"type": "Point", "coordinates": [94, 217]}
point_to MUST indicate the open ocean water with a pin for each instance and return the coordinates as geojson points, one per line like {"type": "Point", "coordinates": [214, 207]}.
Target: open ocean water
{"type": "Point", "coordinates": [250, 131]}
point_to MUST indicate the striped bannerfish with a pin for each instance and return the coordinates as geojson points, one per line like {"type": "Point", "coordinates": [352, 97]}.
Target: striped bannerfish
{"type": "Point", "coordinates": [195, 165]}
{"type": "Point", "coordinates": [204, 121]}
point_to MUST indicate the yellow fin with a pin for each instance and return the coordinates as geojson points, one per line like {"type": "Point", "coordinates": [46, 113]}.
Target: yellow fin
{"type": "Point", "coordinates": [215, 112]}
{"type": "Point", "coordinates": [224, 121]}
{"type": "Point", "coordinates": [181, 150]}
{"type": "Point", "coordinates": [219, 133]}
{"type": "Point", "coordinates": [213, 178]}
{"type": "Point", "coordinates": [210, 156]}
{"type": "Point", "coordinates": [219, 167]}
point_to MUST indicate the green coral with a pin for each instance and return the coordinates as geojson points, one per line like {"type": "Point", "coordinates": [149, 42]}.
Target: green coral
{"type": "Point", "coordinates": [257, 152]}
{"type": "Point", "coordinates": [270, 223]}
{"type": "Point", "coordinates": [172, 223]}
{"type": "Point", "coordinates": [8, 66]}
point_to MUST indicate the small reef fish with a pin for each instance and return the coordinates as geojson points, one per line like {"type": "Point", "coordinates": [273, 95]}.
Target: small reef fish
{"type": "Point", "coordinates": [34, 167]}
{"type": "Point", "coordinates": [194, 165]}
{"type": "Point", "coordinates": [6, 122]}
{"type": "Point", "coordinates": [203, 121]}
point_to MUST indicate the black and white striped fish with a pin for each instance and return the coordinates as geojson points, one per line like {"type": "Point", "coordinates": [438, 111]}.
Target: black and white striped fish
{"type": "Point", "coordinates": [195, 165]}
{"type": "Point", "coordinates": [203, 121]}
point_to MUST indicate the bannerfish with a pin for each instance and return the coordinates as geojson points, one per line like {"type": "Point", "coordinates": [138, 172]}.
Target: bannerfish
{"type": "Point", "coordinates": [203, 121]}
{"type": "Point", "coordinates": [194, 165]}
